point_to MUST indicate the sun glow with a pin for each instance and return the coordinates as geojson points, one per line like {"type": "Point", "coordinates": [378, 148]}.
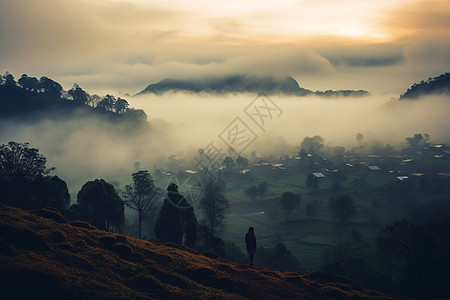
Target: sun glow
{"type": "Point", "coordinates": [352, 30]}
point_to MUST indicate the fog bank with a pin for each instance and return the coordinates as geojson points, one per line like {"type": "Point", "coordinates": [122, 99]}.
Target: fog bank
{"type": "Point", "coordinates": [83, 148]}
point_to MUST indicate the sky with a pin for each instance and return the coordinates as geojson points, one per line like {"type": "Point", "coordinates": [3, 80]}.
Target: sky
{"type": "Point", "coordinates": [381, 46]}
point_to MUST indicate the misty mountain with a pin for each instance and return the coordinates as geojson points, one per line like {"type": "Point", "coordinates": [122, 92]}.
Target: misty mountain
{"type": "Point", "coordinates": [42, 253]}
{"type": "Point", "coordinates": [436, 85]}
{"type": "Point", "coordinates": [270, 85]}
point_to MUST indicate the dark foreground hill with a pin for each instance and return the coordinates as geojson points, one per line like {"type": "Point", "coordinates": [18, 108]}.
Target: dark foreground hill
{"type": "Point", "coordinates": [270, 85]}
{"type": "Point", "coordinates": [42, 256]}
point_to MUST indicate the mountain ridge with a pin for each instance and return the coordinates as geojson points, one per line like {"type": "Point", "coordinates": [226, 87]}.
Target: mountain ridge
{"type": "Point", "coordinates": [269, 85]}
{"type": "Point", "coordinates": [436, 85]}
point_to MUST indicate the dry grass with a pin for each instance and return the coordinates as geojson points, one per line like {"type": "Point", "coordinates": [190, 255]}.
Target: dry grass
{"type": "Point", "coordinates": [43, 256]}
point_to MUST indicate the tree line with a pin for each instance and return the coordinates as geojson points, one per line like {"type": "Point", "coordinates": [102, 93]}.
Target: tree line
{"type": "Point", "coordinates": [25, 182]}
{"type": "Point", "coordinates": [29, 95]}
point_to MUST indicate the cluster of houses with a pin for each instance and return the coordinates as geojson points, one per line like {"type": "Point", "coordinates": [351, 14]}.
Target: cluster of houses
{"type": "Point", "coordinates": [402, 166]}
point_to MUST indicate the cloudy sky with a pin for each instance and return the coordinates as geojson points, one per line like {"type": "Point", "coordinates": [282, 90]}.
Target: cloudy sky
{"type": "Point", "coordinates": [121, 46]}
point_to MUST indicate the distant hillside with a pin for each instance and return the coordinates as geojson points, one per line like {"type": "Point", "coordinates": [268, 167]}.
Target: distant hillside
{"type": "Point", "coordinates": [43, 256]}
{"type": "Point", "coordinates": [241, 84]}
{"type": "Point", "coordinates": [436, 85]}
{"type": "Point", "coordinates": [44, 98]}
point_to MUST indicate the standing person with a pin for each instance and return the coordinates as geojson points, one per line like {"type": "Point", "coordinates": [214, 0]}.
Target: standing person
{"type": "Point", "coordinates": [250, 241]}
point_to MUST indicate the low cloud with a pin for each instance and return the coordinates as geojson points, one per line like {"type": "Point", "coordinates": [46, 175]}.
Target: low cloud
{"type": "Point", "coordinates": [83, 148]}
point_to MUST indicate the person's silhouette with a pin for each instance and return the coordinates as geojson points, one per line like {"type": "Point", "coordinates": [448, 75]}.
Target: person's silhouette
{"type": "Point", "coordinates": [250, 241]}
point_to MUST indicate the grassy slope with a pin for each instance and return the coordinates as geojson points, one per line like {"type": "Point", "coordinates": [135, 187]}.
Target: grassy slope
{"type": "Point", "coordinates": [52, 259]}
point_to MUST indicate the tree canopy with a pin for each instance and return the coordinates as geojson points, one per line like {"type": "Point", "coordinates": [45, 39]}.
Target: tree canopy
{"type": "Point", "coordinates": [252, 191]}
{"type": "Point", "coordinates": [410, 251]}
{"type": "Point", "coordinates": [288, 202]}
{"type": "Point", "coordinates": [23, 180]}
{"type": "Point", "coordinates": [100, 205]}
{"type": "Point", "coordinates": [78, 94]}
{"type": "Point", "coordinates": [313, 144]}
{"type": "Point", "coordinates": [176, 220]}
{"type": "Point", "coordinates": [18, 160]}
{"type": "Point", "coordinates": [418, 140]}
{"type": "Point", "coordinates": [262, 188]}
{"type": "Point", "coordinates": [342, 208]}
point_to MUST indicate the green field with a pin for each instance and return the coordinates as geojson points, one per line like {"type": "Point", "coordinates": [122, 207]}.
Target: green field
{"type": "Point", "coordinates": [308, 239]}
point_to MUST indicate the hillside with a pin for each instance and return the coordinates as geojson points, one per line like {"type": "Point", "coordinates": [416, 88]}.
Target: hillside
{"type": "Point", "coordinates": [436, 85]}
{"type": "Point", "coordinates": [23, 101]}
{"type": "Point", "coordinates": [241, 84]}
{"type": "Point", "coordinates": [44, 256]}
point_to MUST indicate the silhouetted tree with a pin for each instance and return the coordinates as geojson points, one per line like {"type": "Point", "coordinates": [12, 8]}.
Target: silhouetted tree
{"type": "Point", "coordinates": [141, 196]}
{"type": "Point", "coordinates": [100, 205]}
{"type": "Point", "coordinates": [78, 94]}
{"type": "Point", "coordinates": [313, 144]}
{"type": "Point", "coordinates": [17, 160]}
{"type": "Point", "coordinates": [176, 219]}
{"type": "Point", "coordinates": [50, 87]}
{"type": "Point", "coordinates": [228, 162]}
{"type": "Point", "coordinates": [94, 100]}
{"type": "Point", "coordinates": [23, 182]}
{"type": "Point", "coordinates": [359, 137]}
{"type": "Point", "coordinates": [29, 83]}
{"type": "Point", "coordinates": [342, 208]}
{"type": "Point", "coordinates": [9, 79]}
{"type": "Point", "coordinates": [45, 191]}
{"type": "Point", "coordinates": [137, 115]}
{"type": "Point", "coordinates": [169, 225]}
{"type": "Point", "coordinates": [338, 153]}
{"type": "Point", "coordinates": [288, 202]}
{"type": "Point", "coordinates": [262, 188]}
{"type": "Point", "coordinates": [51, 191]}
{"type": "Point", "coordinates": [418, 140]}
{"type": "Point", "coordinates": [121, 105]}
{"type": "Point", "coordinates": [417, 257]}
{"type": "Point", "coordinates": [303, 154]}
{"type": "Point", "coordinates": [107, 103]}
{"type": "Point", "coordinates": [242, 162]}
{"type": "Point", "coordinates": [214, 205]}
{"type": "Point", "coordinates": [252, 191]}
{"type": "Point", "coordinates": [395, 243]}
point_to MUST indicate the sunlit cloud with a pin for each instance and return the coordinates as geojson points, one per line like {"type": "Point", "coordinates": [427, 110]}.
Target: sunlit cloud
{"type": "Point", "coordinates": [125, 45]}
